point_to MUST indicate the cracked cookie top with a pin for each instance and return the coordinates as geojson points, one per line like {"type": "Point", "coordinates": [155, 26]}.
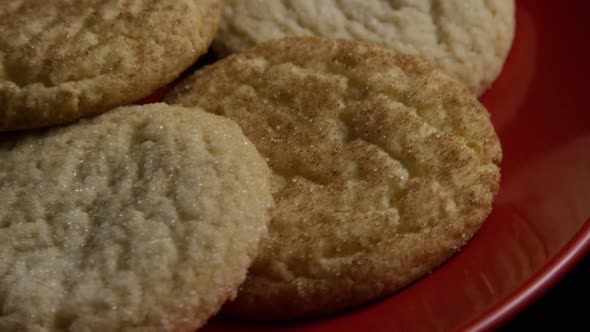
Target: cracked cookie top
{"type": "Point", "coordinates": [382, 167]}
{"type": "Point", "coordinates": [61, 60]}
{"type": "Point", "coordinates": [145, 218]}
{"type": "Point", "coordinates": [467, 39]}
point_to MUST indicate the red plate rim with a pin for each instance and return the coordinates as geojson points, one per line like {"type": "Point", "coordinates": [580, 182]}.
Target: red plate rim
{"type": "Point", "coordinates": [554, 270]}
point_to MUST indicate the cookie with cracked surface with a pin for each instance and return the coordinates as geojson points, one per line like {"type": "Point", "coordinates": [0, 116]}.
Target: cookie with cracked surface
{"type": "Point", "coordinates": [145, 218]}
{"type": "Point", "coordinates": [383, 167]}
{"type": "Point", "coordinates": [61, 60]}
{"type": "Point", "coordinates": [468, 39]}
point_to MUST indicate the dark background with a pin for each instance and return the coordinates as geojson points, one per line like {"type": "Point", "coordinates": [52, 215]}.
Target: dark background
{"type": "Point", "coordinates": [563, 308]}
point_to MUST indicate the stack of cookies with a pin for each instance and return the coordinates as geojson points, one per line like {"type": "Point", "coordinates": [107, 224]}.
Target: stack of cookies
{"type": "Point", "coordinates": [339, 155]}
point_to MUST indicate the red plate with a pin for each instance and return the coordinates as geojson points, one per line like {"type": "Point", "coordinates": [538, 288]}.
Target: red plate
{"type": "Point", "coordinates": [540, 223]}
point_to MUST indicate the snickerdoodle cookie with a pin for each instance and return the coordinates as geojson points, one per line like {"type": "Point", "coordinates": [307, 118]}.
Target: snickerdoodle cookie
{"type": "Point", "coordinates": [383, 167]}
{"type": "Point", "coordinates": [61, 60]}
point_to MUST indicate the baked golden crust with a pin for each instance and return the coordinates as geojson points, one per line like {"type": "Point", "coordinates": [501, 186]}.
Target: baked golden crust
{"type": "Point", "coordinates": [383, 167]}
{"type": "Point", "coordinates": [63, 60]}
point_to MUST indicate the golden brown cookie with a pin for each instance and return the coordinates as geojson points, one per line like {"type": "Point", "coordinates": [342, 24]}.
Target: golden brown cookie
{"type": "Point", "coordinates": [61, 60]}
{"type": "Point", "coordinates": [145, 218]}
{"type": "Point", "coordinates": [467, 39]}
{"type": "Point", "coordinates": [383, 167]}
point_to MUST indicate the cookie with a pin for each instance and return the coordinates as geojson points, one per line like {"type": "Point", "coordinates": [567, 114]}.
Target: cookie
{"type": "Point", "coordinates": [468, 39]}
{"type": "Point", "coordinates": [61, 60]}
{"type": "Point", "coordinates": [382, 168]}
{"type": "Point", "coordinates": [145, 218]}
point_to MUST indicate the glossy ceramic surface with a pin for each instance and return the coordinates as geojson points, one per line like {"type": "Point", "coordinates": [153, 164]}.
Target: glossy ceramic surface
{"type": "Point", "coordinates": [539, 226]}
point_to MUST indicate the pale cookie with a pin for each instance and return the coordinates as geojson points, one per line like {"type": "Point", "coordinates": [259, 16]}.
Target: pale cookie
{"type": "Point", "coordinates": [383, 167]}
{"type": "Point", "coordinates": [468, 39]}
{"type": "Point", "coordinates": [61, 60]}
{"type": "Point", "coordinates": [142, 219]}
